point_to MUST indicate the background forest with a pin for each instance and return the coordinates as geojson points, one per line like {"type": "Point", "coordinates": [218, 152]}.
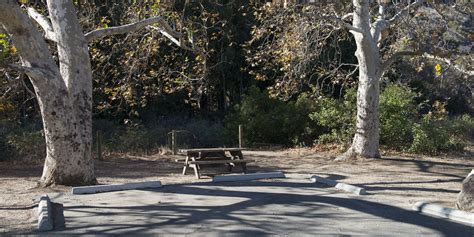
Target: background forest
{"type": "Point", "coordinates": [289, 80]}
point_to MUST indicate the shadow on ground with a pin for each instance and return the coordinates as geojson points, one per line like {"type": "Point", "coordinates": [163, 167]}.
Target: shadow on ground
{"type": "Point", "coordinates": [249, 208]}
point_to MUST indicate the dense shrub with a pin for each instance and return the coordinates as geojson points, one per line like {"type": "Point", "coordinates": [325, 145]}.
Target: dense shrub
{"type": "Point", "coordinates": [399, 126]}
{"type": "Point", "coordinates": [269, 120]}
{"type": "Point", "coordinates": [337, 117]}
{"type": "Point", "coordinates": [432, 136]}
{"type": "Point", "coordinates": [22, 142]}
{"type": "Point", "coordinates": [397, 115]}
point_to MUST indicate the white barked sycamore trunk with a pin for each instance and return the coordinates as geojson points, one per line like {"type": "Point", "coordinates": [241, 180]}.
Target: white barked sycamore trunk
{"type": "Point", "coordinates": [367, 36]}
{"type": "Point", "coordinates": [366, 138]}
{"type": "Point", "coordinates": [64, 94]}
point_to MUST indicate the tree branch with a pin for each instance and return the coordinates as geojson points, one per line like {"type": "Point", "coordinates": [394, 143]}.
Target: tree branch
{"type": "Point", "coordinates": [343, 23]}
{"type": "Point", "coordinates": [387, 63]}
{"type": "Point", "coordinates": [448, 62]}
{"type": "Point", "coordinates": [178, 42]}
{"type": "Point", "coordinates": [100, 33]}
{"type": "Point", "coordinates": [32, 72]}
{"type": "Point", "coordinates": [43, 22]}
{"type": "Point", "coordinates": [381, 23]}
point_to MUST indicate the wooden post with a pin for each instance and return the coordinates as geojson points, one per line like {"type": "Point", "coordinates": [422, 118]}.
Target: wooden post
{"type": "Point", "coordinates": [99, 144]}
{"type": "Point", "coordinates": [241, 136]}
{"type": "Point", "coordinates": [173, 142]}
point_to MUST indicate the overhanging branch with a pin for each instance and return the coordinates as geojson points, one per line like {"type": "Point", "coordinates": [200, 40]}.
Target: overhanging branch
{"type": "Point", "coordinates": [100, 33]}
{"type": "Point", "coordinates": [43, 22]}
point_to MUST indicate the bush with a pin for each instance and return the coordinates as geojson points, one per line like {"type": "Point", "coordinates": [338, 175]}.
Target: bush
{"type": "Point", "coordinates": [397, 116]}
{"type": "Point", "coordinates": [432, 136]}
{"type": "Point", "coordinates": [22, 142]}
{"type": "Point", "coordinates": [269, 120]}
{"type": "Point", "coordinates": [337, 117]}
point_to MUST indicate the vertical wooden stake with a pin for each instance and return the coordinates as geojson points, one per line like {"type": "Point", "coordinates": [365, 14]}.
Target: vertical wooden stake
{"type": "Point", "coordinates": [173, 142]}
{"type": "Point", "coordinates": [99, 145]}
{"type": "Point", "coordinates": [241, 136]}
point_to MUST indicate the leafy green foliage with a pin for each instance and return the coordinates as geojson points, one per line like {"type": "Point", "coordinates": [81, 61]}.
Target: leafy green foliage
{"type": "Point", "coordinates": [397, 115]}
{"type": "Point", "coordinates": [434, 136]}
{"type": "Point", "coordinates": [337, 117]}
{"type": "Point", "coordinates": [268, 120]}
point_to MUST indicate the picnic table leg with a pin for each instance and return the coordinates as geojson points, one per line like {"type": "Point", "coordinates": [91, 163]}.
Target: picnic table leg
{"type": "Point", "coordinates": [196, 168]}
{"type": "Point", "coordinates": [243, 165]}
{"type": "Point", "coordinates": [186, 164]}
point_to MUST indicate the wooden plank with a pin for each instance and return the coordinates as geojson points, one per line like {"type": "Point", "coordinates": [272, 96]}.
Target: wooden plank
{"type": "Point", "coordinates": [212, 149]}
{"type": "Point", "coordinates": [207, 162]}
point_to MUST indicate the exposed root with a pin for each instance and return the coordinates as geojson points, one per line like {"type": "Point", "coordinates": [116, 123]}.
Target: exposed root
{"type": "Point", "coordinates": [350, 154]}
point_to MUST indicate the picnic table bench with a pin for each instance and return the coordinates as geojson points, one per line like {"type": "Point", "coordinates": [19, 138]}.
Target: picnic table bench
{"type": "Point", "coordinates": [207, 156]}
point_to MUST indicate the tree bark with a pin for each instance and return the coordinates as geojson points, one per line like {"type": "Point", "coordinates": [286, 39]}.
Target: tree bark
{"type": "Point", "coordinates": [64, 96]}
{"type": "Point", "coordinates": [366, 139]}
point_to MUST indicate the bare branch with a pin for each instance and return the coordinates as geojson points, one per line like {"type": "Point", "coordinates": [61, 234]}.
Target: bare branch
{"type": "Point", "coordinates": [178, 42]}
{"type": "Point", "coordinates": [387, 63]}
{"type": "Point", "coordinates": [381, 23]}
{"type": "Point", "coordinates": [450, 63]}
{"type": "Point", "coordinates": [100, 33]}
{"type": "Point", "coordinates": [43, 22]}
{"type": "Point", "coordinates": [348, 15]}
{"type": "Point", "coordinates": [32, 72]}
{"type": "Point", "coordinates": [404, 11]}
{"type": "Point", "coordinates": [343, 23]}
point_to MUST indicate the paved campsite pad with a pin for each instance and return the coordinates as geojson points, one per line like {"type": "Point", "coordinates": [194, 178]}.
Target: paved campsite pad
{"type": "Point", "coordinates": [394, 180]}
{"type": "Point", "coordinates": [284, 206]}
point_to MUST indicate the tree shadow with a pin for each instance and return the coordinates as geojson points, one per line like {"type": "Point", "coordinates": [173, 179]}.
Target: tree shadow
{"type": "Point", "coordinates": [251, 212]}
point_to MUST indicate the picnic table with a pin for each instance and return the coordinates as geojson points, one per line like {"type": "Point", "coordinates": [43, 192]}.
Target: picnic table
{"type": "Point", "coordinates": [208, 156]}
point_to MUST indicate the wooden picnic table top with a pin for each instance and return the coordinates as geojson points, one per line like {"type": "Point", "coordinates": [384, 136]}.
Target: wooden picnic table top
{"type": "Point", "coordinates": [213, 149]}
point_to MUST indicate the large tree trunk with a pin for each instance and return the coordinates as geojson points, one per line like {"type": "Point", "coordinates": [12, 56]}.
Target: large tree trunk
{"type": "Point", "coordinates": [366, 138]}
{"type": "Point", "coordinates": [64, 96]}
{"type": "Point", "coordinates": [74, 164]}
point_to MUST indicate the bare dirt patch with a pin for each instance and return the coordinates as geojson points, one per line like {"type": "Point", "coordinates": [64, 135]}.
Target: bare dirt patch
{"type": "Point", "coordinates": [395, 180]}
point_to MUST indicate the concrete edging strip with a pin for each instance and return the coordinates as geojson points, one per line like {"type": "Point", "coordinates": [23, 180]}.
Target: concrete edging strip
{"type": "Point", "coordinates": [340, 186]}
{"type": "Point", "coordinates": [445, 212]}
{"type": "Point", "coordinates": [244, 177]}
{"type": "Point", "coordinates": [115, 187]}
{"type": "Point", "coordinates": [45, 221]}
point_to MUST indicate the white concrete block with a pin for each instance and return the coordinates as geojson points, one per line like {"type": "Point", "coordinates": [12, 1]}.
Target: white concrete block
{"type": "Point", "coordinates": [45, 220]}
{"type": "Point", "coordinates": [244, 177]}
{"type": "Point", "coordinates": [318, 179]}
{"type": "Point", "coordinates": [444, 212]}
{"type": "Point", "coordinates": [115, 187]}
{"type": "Point", "coordinates": [340, 186]}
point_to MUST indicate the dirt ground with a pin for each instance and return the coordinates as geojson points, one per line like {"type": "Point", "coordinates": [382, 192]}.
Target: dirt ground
{"type": "Point", "coordinates": [398, 180]}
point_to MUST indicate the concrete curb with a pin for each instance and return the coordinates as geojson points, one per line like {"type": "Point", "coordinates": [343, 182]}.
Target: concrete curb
{"type": "Point", "coordinates": [340, 186]}
{"type": "Point", "coordinates": [444, 212]}
{"type": "Point", "coordinates": [115, 187]}
{"type": "Point", "coordinates": [244, 177]}
{"type": "Point", "coordinates": [45, 220]}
